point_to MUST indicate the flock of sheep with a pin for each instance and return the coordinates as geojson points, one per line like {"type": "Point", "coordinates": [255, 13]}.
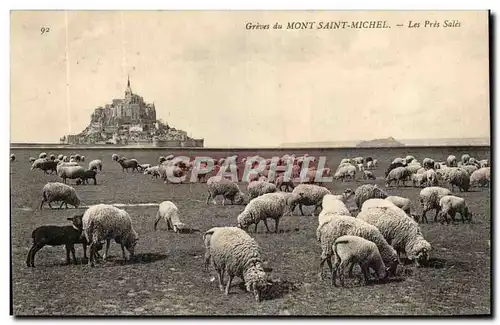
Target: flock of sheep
{"type": "Point", "coordinates": [373, 236]}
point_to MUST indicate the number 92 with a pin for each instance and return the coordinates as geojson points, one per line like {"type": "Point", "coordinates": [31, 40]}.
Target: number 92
{"type": "Point", "coordinates": [44, 30]}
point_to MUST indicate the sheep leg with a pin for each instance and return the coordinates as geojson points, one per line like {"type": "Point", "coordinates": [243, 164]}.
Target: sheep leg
{"type": "Point", "coordinates": [170, 226]}
{"type": "Point", "coordinates": [324, 258]}
{"type": "Point", "coordinates": [72, 249]}
{"type": "Point", "coordinates": [85, 251]}
{"type": "Point", "coordinates": [67, 254]}
{"type": "Point", "coordinates": [341, 270]}
{"type": "Point", "coordinates": [158, 217]}
{"type": "Point", "coordinates": [123, 253]}
{"type": "Point", "coordinates": [41, 204]}
{"type": "Point", "coordinates": [62, 203]}
{"type": "Point", "coordinates": [30, 261]}
{"type": "Point", "coordinates": [220, 274]}
{"type": "Point", "coordinates": [276, 222]}
{"type": "Point", "coordinates": [267, 227]}
{"type": "Point", "coordinates": [209, 197]}
{"type": "Point", "coordinates": [300, 208]}
{"type": "Point", "coordinates": [223, 200]}
{"type": "Point", "coordinates": [207, 260]}
{"type": "Point", "coordinates": [108, 241]}
{"type": "Point", "coordinates": [92, 254]}
{"type": "Point", "coordinates": [256, 225]}
{"type": "Point", "coordinates": [228, 285]}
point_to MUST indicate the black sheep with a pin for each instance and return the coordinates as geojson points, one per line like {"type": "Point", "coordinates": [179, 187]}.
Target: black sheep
{"type": "Point", "coordinates": [87, 174]}
{"type": "Point", "coordinates": [68, 235]}
{"type": "Point", "coordinates": [394, 165]}
{"type": "Point", "coordinates": [128, 163]}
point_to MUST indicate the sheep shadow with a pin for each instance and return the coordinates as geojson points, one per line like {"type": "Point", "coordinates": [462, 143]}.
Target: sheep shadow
{"type": "Point", "coordinates": [141, 258]}
{"type": "Point", "coordinates": [432, 263]}
{"type": "Point", "coordinates": [276, 289]}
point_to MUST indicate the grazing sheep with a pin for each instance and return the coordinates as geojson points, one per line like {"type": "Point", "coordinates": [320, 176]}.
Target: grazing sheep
{"type": "Point", "coordinates": [103, 222]}
{"type": "Point", "coordinates": [370, 165]}
{"type": "Point", "coordinates": [428, 163]}
{"type": "Point", "coordinates": [88, 174]}
{"type": "Point", "coordinates": [95, 165]}
{"type": "Point", "coordinates": [345, 172]}
{"type": "Point", "coordinates": [358, 160]}
{"type": "Point", "coordinates": [143, 167]}
{"type": "Point", "coordinates": [232, 250]}
{"type": "Point", "coordinates": [280, 182]}
{"type": "Point", "coordinates": [392, 166]}
{"type": "Point", "coordinates": [481, 177]}
{"type": "Point", "coordinates": [345, 161]}
{"type": "Point", "coordinates": [169, 212]}
{"type": "Point", "coordinates": [32, 159]}
{"type": "Point", "coordinates": [266, 206]}
{"type": "Point", "coordinates": [398, 229]}
{"type": "Point", "coordinates": [361, 167]}
{"type": "Point", "coordinates": [450, 205]}
{"type": "Point", "coordinates": [451, 161]}
{"type": "Point", "coordinates": [368, 175]}
{"type": "Point", "coordinates": [418, 180]}
{"type": "Point", "coordinates": [65, 159]}
{"type": "Point", "coordinates": [431, 177]}
{"type": "Point", "coordinates": [78, 158]}
{"type": "Point", "coordinates": [334, 205]}
{"type": "Point", "coordinates": [257, 188]}
{"type": "Point", "coordinates": [154, 171]}
{"type": "Point", "coordinates": [115, 157]}
{"type": "Point", "coordinates": [128, 163]}
{"type": "Point", "coordinates": [398, 174]}
{"type": "Point", "coordinates": [414, 167]}
{"type": "Point", "coordinates": [307, 194]}
{"type": "Point", "coordinates": [68, 236]}
{"type": "Point", "coordinates": [230, 190]}
{"type": "Point", "coordinates": [71, 172]}
{"type": "Point", "coordinates": [347, 225]}
{"type": "Point", "coordinates": [409, 159]}
{"type": "Point", "coordinates": [402, 203]}
{"type": "Point", "coordinates": [43, 155]}
{"type": "Point", "coordinates": [399, 160]}
{"type": "Point", "coordinates": [351, 250]}
{"type": "Point", "coordinates": [45, 165]}
{"type": "Point", "coordinates": [56, 191]}
{"type": "Point", "coordinates": [60, 157]}
{"type": "Point", "coordinates": [52, 157]}
{"type": "Point", "coordinates": [429, 200]}
{"type": "Point", "coordinates": [368, 191]}
{"type": "Point", "coordinates": [458, 177]}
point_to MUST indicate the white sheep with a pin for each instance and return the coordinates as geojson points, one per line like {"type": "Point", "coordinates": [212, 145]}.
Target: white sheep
{"type": "Point", "coordinates": [368, 175]}
{"type": "Point", "coordinates": [457, 177]}
{"type": "Point", "coordinates": [398, 229]}
{"type": "Point", "coordinates": [345, 172]}
{"type": "Point", "coordinates": [266, 206]}
{"type": "Point", "coordinates": [55, 191]}
{"type": "Point", "coordinates": [450, 205]}
{"type": "Point", "coordinates": [218, 185]}
{"type": "Point", "coordinates": [481, 177]}
{"type": "Point", "coordinates": [398, 174]}
{"type": "Point", "coordinates": [95, 165]}
{"type": "Point", "coordinates": [418, 180]}
{"type": "Point", "coordinates": [42, 155]}
{"type": "Point", "coordinates": [429, 200]}
{"type": "Point", "coordinates": [115, 157]}
{"type": "Point", "coordinates": [104, 222]}
{"type": "Point", "coordinates": [351, 250]}
{"type": "Point", "coordinates": [154, 171]}
{"type": "Point", "coordinates": [370, 165]}
{"type": "Point", "coordinates": [170, 213]}
{"type": "Point", "coordinates": [257, 188]}
{"type": "Point", "coordinates": [470, 169]}
{"type": "Point", "coordinates": [71, 172]}
{"type": "Point", "coordinates": [334, 205]}
{"type": "Point", "coordinates": [484, 163]}
{"type": "Point", "coordinates": [234, 252]}
{"type": "Point", "coordinates": [361, 167]}
{"type": "Point", "coordinates": [60, 157]}
{"type": "Point", "coordinates": [428, 163]}
{"type": "Point", "coordinates": [465, 158]}
{"type": "Point", "coordinates": [347, 225]}
{"type": "Point", "coordinates": [398, 161]}
{"type": "Point", "coordinates": [307, 194]}
{"type": "Point", "coordinates": [402, 203]}
{"type": "Point", "coordinates": [368, 191]}
{"type": "Point", "coordinates": [431, 177]}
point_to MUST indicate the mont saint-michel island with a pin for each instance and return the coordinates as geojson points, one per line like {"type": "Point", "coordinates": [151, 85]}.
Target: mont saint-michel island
{"type": "Point", "coordinates": [130, 121]}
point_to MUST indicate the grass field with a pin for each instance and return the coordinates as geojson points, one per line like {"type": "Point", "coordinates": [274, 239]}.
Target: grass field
{"type": "Point", "coordinates": [166, 277]}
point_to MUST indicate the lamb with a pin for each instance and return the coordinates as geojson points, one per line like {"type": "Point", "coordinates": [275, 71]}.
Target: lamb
{"type": "Point", "coordinates": [368, 175]}
{"type": "Point", "coordinates": [257, 188]}
{"type": "Point", "coordinates": [418, 179]}
{"type": "Point", "coordinates": [128, 163]}
{"type": "Point", "coordinates": [71, 172]}
{"type": "Point", "coordinates": [68, 236]}
{"type": "Point", "coordinates": [45, 165]}
{"type": "Point", "coordinates": [458, 177]}
{"type": "Point", "coordinates": [481, 177]}
{"type": "Point", "coordinates": [55, 191]}
{"type": "Point", "coordinates": [402, 203]}
{"type": "Point", "coordinates": [95, 165]}
{"type": "Point", "coordinates": [103, 222]}
{"type": "Point", "coordinates": [267, 206]}
{"type": "Point", "coordinates": [115, 157]}
{"type": "Point", "coordinates": [351, 250]}
{"type": "Point", "coordinates": [154, 171]}
{"type": "Point", "coordinates": [398, 174]}
{"type": "Point", "coordinates": [87, 174]}
{"type": "Point", "coordinates": [449, 206]}
{"type": "Point", "coordinates": [367, 191]}
{"type": "Point", "coordinates": [307, 194]}
{"type": "Point", "coordinates": [345, 172]}
{"type": "Point", "coordinates": [230, 190]}
{"type": "Point", "coordinates": [232, 250]}
{"type": "Point", "coordinates": [431, 177]}
{"type": "Point", "coordinates": [143, 167]}
{"type": "Point", "coordinates": [398, 229]}
{"type": "Point", "coordinates": [429, 200]}
{"type": "Point", "coordinates": [451, 161]}
{"type": "Point", "coordinates": [170, 213]}
{"type": "Point", "coordinates": [347, 225]}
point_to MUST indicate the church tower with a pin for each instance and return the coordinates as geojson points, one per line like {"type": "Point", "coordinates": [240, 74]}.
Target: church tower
{"type": "Point", "coordinates": [128, 91]}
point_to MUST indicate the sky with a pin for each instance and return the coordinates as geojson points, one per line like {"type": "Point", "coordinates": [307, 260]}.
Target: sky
{"type": "Point", "coordinates": [210, 76]}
